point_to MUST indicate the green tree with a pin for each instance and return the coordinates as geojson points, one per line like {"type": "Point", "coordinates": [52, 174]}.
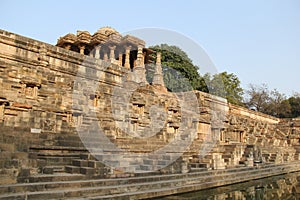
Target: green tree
{"type": "Point", "coordinates": [274, 103]}
{"type": "Point", "coordinates": [294, 102]}
{"type": "Point", "coordinates": [257, 97]}
{"type": "Point", "coordinates": [180, 74]}
{"type": "Point", "coordinates": [285, 109]}
{"type": "Point", "coordinates": [277, 105]}
{"type": "Point", "coordinates": [226, 85]}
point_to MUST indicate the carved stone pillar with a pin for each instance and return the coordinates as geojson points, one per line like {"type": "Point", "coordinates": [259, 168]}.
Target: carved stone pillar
{"type": "Point", "coordinates": [120, 59]}
{"type": "Point", "coordinates": [97, 52]}
{"type": "Point", "coordinates": [139, 69]}
{"type": "Point", "coordinates": [1, 112]}
{"type": "Point", "coordinates": [158, 76]}
{"type": "Point", "coordinates": [68, 46]}
{"type": "Point", "coordinates": [44, 59]}
{"type": "Point", "coordinates": [158, 62]}
{"type": "Point", "coordinates": [139, 60]}
{"type": "Point", "coordinates": [144, 55]}
{"type": "Point", "coordinates": [81, 49]}
{"type": "Point", "coordinates": [112, 53]}
{"type": "Point", "coordinates": [127, 57]}
{"type": "Point", "coordinates": [105, 56]}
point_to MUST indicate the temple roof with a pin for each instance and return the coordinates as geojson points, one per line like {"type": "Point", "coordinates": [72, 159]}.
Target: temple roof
{"type": "Point", "coordinates": [104, 35]}
{"type": "Point", "coordinates": [107, 31]}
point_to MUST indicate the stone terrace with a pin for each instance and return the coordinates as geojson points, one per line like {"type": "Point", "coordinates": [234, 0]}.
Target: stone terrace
{"type": "Point", "coordinates": [50, 112]}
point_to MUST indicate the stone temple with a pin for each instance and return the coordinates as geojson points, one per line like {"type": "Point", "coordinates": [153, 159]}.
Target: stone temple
{"type": "Point", "coordinates": [80, 120]}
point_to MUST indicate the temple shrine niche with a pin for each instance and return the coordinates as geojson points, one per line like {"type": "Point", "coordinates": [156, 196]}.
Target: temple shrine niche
{"type": "Point", "coordinates": [41, 115]}
{"type": "Point", "coordinates": [109, 45]}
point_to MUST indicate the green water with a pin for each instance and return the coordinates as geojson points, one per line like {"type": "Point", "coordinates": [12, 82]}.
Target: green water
{"type": "Point", "coordinates": [275, 188]}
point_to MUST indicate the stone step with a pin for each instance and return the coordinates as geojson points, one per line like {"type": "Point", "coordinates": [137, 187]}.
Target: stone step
{"type": "Point", "coordinates": [56, 160]}
{"type": "Point", "coordinates": [69, 177]}
{"type": "Point", "coordinates": [45, 182]}
{"type": "Point", "coordinates": [80, 163]}
{"type": "Point", "coordinates": [53, 169]}
{"type": "Point", "coordinates": [199, 169]}
{"type": "Point", "coordinates": [87, 170]}
{"type": "Point", "coordinates": [55, 177]}
{"type": "Point", "coordinates": [57, 148]}
{"type": "Point", "coordinates": [72, 169]}
{"type": "Point", "coordinates": [138, 187]}
{"type": "Point", "coordinates": [37, 155]}
{"type": "Point", "coordinates": [199, 165]}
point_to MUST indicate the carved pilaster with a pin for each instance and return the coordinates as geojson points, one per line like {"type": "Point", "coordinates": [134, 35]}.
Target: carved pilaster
{"type": "Point", "coordinates": [81, 49]}
{"type": "Point", "coordinates": [97, 51]}
{"type": "Point", "coordinates": [139, 60]}
{"type": "Point", "coordinates": [112, 53]}
{"type": "Point", "coordinates": [158, 76]}
{"type": "Point", "coordinates": [105, 56]}
{"type": "Point", "coordinates": [144, 55]}
{"type": "Point", "coordinates": [43, 58]}
{"type": "Point", "coordinates": [120, 59]}
{"type": "Point", "coordinates": [139, 69]}
{"type": "Point", "coordinates": [68, 46]}
{"type": "Point", "coordinates": [127, 57]}
{"type": "Point", "coordinates": [2, 112]}
{"type": "Point", "coordinates": [158, 62]}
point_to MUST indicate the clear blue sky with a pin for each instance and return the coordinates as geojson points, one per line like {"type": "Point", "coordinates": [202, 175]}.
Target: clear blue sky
{"type": "Point", "coordinates": [259, 41]}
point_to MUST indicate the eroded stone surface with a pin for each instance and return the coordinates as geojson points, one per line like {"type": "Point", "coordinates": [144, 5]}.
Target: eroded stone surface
{"type": "Point", "coordinates": [47, 93]}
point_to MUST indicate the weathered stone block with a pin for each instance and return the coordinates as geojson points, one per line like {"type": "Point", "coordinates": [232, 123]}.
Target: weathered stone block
{"type": "Point", "coordinates": [72, 169]}
{"type": "Point", "coordinates": [87, 170]}
{"type": "Point", "coordinates": [80, 163]}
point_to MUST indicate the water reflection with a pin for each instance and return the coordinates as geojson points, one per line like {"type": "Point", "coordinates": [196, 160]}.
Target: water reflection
{"type": "Point", "coordinates": [278, 187]}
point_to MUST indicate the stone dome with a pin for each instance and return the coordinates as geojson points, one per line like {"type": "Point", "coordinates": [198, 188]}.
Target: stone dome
{"type": "Point", "coordinates": [108, 31]}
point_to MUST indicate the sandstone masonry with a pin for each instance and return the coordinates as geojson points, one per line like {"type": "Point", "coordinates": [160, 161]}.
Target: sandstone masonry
{"type": "Point", "coordinates": [42, 104]}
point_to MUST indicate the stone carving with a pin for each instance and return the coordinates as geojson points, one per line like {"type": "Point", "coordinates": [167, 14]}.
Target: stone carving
{"type": "Point", "coordinates": [108, 44]}
{"type": "Point", "coordinates": [38, 90]}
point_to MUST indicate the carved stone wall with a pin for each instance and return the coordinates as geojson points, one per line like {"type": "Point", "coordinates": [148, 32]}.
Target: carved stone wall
{"type": "Point", "coordinates": [42, 104]}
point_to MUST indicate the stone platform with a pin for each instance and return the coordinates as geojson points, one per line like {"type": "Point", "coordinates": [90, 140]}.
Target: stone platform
{"type": "Point", "coordinates": [50, 112]}
{"type": "Point", "coordinates": [65, 186]}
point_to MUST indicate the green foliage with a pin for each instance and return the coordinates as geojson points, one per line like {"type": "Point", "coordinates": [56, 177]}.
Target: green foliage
{"type": "Point", "coordinates": [274, 103]}
{"type": "Point", "coordinates": [180, 74]}
{"type": "Point", "coordinates": [294, 102]}
{"type": "Point", "coordinates": [225, 85]}
{"type": "Point", "coordinates": [258, 97]}
{"type": "Point", "coordinates": [284, 109]}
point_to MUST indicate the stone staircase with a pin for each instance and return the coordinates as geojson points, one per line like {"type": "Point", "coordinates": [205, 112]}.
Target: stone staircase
{"type": "Point", "coordinates": [297, 153]}
{"type": "Point", "coordinates": [91, 166]}
{"type": "Point", "coordinates": [278, 154]}
{"type": "Point", "coordinates": [106, 162]}
{"type": "Point", "coordinates": [201, 160]}
{"type": "Point", "coordinates": [68, 186]}
{"type": "Point", "coordinates": [54, 156]}
{"type": "Point", "coordinates": [233, 154]}
{"type": "Point", "coordinates": [248, 152]}
{"type": "Point", "coordinates": [199, 164]}
{"type": "Point", "coordinates": [69, 155]}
